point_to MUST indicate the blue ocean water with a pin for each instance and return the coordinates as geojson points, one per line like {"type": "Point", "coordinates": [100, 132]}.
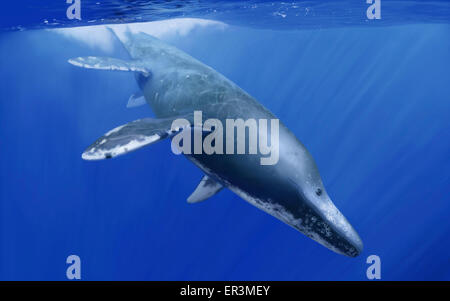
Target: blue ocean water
{"type": "Point", "coordinates": [371, 104]}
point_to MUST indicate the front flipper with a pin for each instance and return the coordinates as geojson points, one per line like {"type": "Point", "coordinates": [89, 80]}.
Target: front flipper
{"type": "Point", "coordinates": [205, 189]}
{"type": "Point", "coordinates": [131, 136]}
{"type": "Point", "coordinates": [107, 63]}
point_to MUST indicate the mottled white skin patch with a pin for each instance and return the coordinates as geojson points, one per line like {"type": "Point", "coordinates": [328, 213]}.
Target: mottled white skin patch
{"type": "Point", "coordinates": [111, 64]}
{"type": "Point", "coordinates": [334, 217]}
{"type": "Point", "coordinates": [131, 136]}
{"type": "Point", "coordinates": [103, 153]}
{"type": "Point", "coordinates": [306, 225]}
{"type": "Point", "coordinates": [279, 212]}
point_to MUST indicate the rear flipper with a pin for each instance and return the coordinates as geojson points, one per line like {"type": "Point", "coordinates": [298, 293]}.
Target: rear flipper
{"type": "Point", "coordinates": [136, 100]}
{"type": "Point", "coordinates": [205, 189]}
{"type": "Point", "coordinates": [132, 136]}
{"type": "Point", "coordinates": [107, 63]}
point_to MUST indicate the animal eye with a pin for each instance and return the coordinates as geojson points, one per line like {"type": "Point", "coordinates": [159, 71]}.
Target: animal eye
{"type": "Point", "coordinates": [319, 191]}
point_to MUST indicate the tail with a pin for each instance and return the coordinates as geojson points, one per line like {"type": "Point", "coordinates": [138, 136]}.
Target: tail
{"type": "Point", "coordinates": [113, 64]}
{"type": "Point", "coordinates": [119, 41]}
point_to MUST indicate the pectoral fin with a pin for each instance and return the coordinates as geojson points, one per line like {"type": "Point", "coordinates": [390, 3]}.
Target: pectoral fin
{"type": "Point", "coordinates": [107, 63]}
{"type": "Point", "coordinates": [132, 136]}
{"type": "Point", "coordinates": [205, 189]}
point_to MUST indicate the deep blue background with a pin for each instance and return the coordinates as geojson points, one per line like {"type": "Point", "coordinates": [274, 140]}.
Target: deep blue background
{"type": "Point", "coordinates": [372, 106]}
